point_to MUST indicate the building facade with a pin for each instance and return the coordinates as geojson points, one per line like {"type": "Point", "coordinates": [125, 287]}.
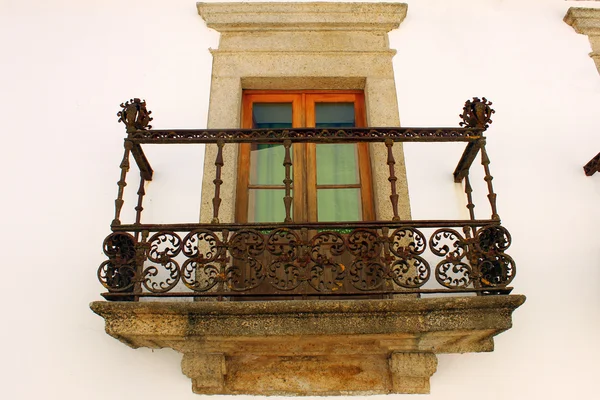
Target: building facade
{"type": "Point", "coordinates": [79, 61]}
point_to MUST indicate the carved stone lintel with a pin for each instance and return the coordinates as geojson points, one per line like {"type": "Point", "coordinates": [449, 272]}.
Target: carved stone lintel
{"type": "Point", "coordinates": [134, 115]}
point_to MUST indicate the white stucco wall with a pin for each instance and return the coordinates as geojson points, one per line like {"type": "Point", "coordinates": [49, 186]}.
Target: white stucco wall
{"type": "Point", "coordinates": [66, 66]}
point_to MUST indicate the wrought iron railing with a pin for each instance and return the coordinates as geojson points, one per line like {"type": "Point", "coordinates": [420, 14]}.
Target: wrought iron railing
{"type": "Point", "coordinates": [300, 260]}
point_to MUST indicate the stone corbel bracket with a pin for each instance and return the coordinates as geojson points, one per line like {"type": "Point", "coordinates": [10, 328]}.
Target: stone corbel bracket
{"type": "Point", "coordinates": [586, 21]}
{"type": "Point", "coordinates": [305, 347]}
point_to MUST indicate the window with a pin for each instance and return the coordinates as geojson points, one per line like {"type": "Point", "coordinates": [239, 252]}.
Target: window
{"type": "Point", "coordinates": [331, 182]}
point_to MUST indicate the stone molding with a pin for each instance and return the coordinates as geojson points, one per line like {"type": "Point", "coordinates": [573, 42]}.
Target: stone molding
{"type": "Point", "coordinates": [315, 16]}
{"type": "Point", "coordinates": [307, 347]}
{"type": "Point", "coordinates": [297, 46]}
{"type": "Point", "coordinates": [586, 21]}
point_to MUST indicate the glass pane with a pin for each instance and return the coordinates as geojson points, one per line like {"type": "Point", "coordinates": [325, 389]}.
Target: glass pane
{"type": "Point", "coordinates": [266, 164]}
{"type": "Point", "coordinates": [266, 160]}
{"type": "Point", "coordinates": [266, 205]}
{"type": "Point", "coordinates": [337, 164]}
{"type": "Point", "coordinates": [334, 115]}
{"type": "Point", "coordinates": [272, 115]}
{"type": "Point", "coordinates": [339, 205]}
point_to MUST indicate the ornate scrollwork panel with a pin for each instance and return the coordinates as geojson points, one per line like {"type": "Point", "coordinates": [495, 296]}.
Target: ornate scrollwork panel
{"type": "Point", "coordinates": [246, 243]}
{"type": "Point", "coordinates": [364, 243]}
{"type": "Point", "coordinates": [285, 275]}
{"type": "Point", "coordinates": [327, 277]}
{"type": "Point", "coordinates": [245, 274]}
{"type": "Point", "coordinates": [496, 269]}
{"type": "Point", "coordinates": [447, 243]}
{"type": "Point", "coordinates": [410, 272]}
{"type": "Point", "coordinates": [325, 246]}
{"type": "Point", "coordinates": [118, 273]}
{"type": "Point", "coordinates": [202, 245]}
{"type": "Point", "coordinates": [199, 277]}
{"type": "Point", "coordinates": [407, 240]}
{"type": "Point", "coordinates": [161, 280]}
{"type": "Point", "coordinates": [116, 277]}
{"type": "Point", "coordinates": [453, 274]}
{"type": "Point", "coordinates": [283, 243]}
{"type": "Point", "coordinates": [492, 238]}
{"type": "Point", "coordinates": [164, 246]}
{"type": "Point", "coordinates": [367, 274]}
{"type": "Point", "coordinates": [120, 247]}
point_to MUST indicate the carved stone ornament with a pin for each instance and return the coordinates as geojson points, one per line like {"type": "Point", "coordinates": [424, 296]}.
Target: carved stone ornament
{"type": "Point", "coordinates": [477, 113]}
{"type": "Point", "coordinates": [134, 115]}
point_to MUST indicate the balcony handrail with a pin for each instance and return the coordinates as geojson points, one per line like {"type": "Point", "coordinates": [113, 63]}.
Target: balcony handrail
{"type": "Point", "coordinates": [306, 258]}
{"type": "Point", "coordinates": [304, 135]}
{"type": "Point", "coordinates": [260, 226]}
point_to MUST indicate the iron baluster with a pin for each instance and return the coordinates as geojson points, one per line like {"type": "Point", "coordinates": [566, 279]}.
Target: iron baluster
{"type": "Point", "coordinates": [139, 207]}
{"type": "Point", "coordinates": [287, 163]}
{"type": "Point", "coordinates": [218, 182]}
{"type": "Point", "coordinates": [392, 178]}
{"type": "Point", "coordinates": [469, 193]}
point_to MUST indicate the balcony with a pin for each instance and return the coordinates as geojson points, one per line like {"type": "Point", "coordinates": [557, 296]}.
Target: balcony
{"type": "Point", "coordinates": [360, 307]}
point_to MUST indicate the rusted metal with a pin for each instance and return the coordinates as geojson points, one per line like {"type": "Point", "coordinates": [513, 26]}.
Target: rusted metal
{"type": "Point", "coordinates": [477, 113]}
{"type": "Point", "coordinates": [122, 182]}
{"type": "Point", "coordinates": [434, 223]}
{"type": "Point", "coordinates": [392, 179]}
{"type": "Point", "coordinates": [287, 262]}
{"type": "Point", "coordinates": [139, 207]}
{"type": "Point", "coordinates": [466, 160]}
{"type": "Point", "coordinates": [142, 162]}
{"type": "Point", "coordinates": [469, 193]}
{"type": "Point", "coordinates": [304, 259]}
{"type": "Point", "coordinates": [134, 115]}
{"type": "Point", "coordinates": [304, 135]}
{"type": "Point", "coordinates": [592, 166]}
{"type": "Point", "coordinates": [218, 182]}
{"type": "Point", "coordinates": [485, 161]}
{"type": "Point", "coordinates": [287, 181]}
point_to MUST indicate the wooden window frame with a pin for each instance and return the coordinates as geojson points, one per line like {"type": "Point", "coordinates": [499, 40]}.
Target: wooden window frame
{"type": "Point", "coordinates": [304, 155]}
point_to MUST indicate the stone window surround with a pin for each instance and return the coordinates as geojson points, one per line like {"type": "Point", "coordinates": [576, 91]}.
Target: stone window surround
{"type": "Point", "coordinates": [586, 21]}
{"type": "Point", "coordinates": [288, 46]}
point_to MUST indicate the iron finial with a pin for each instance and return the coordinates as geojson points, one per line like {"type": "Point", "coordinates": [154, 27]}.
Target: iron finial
{"type": "Point", "coordinates": [477, 113]}
{"type": "Point", "coordinates": [134, 115]}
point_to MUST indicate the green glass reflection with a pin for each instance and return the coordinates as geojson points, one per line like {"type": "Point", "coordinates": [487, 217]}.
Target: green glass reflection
{"type": "Point", "coordinates": [337, 164]}
{"type": "Point", "coordinates": [266, 164]}
{"type": "Point", "coordinates": [271, 115]}
{"type": "Point", "coordinates": [334, 115]}
{"type": "Point", "coordinates": [266, 160]}
{"type": "Point", "coordinates": [266, 205]}
{"type": "Point", "coordinates": [339, 205]}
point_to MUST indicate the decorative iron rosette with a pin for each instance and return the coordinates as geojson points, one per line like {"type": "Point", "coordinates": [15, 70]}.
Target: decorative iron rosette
{"type": "Point", "coordinates": [451, 272]}
{"type": "Point", "coordinates": [202, 249]}
{"type": "Point", "coordinates": [163, 248]}
{"type": "Point", "coordinates": [409, 270]}
{"type": "Point", "coordinates": [134, 115]}
{"type": "Point", "coordinates": [285, 273]}
{"type": "Point", "coordinates": [477, 113]}
{"type": "Point", "coordinates": [495, 267]}
{"type": "Point", "coordinates": [246, 271]}
{"type": "Point", "coordinates": [117, 274]}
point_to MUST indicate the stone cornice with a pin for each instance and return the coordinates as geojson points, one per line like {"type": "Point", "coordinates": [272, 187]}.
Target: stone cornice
{"type": "Point", "coordinates": [228, 17]}
{"type": "Point", "coordinates": [584, 20]}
